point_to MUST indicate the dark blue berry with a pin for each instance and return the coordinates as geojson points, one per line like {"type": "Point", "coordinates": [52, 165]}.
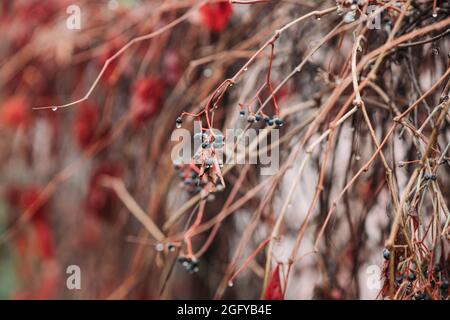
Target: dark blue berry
{"type": "Point", "coordinates": [386, 254]}
{"type": "Point", "coordinates": [178, 122]}
{"type": "Point", "coordinates": [278, 122]}
{"type": "Point", "coordinates": [193, 266]}
{"type": "Point", "coordinates": [182, 260]}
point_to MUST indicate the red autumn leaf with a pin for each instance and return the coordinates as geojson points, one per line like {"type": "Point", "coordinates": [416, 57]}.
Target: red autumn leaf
{"type": "Point", "coordinates": [146, 99]}
{"type": "Point", "coordinates": [99, 199]}
{"type": "Point", "coordinates": [15, 113]}
{"type": "Point", "coordinates": [22, 199]}
{"type": "Point", "coordinates": [85, 124]}
{"type": "Point", "coordinates": [43, 235]}
{"type": "Point", "coordinates": [99, 205]}
{"type": "Point", "coordinates": [215, 16]}
{"type": "Point", "coordinates": [274, 290]}
{"type": "Point", "coordinates": [112, 48]}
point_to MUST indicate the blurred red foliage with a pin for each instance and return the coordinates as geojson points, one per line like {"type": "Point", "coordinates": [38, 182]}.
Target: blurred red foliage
{"type": "Point", "coordinates": [85, 124]}
{"type": "Point", "coordinates": [43, 234]}
{"type": "Point", "coordinates": [15, 113]}
{"type": "Point", "coordinates": [99, 199]}
{"type": "Point", "coordinates": [23, 17]}
{"type": "Point", "coordinates": [146, 99]}
{"type": "Point", "coordinates": [38, 12]}
{"type": "Point", "coordinates": [274, 290]}
{"type": "Point", "coordinates": [215, 16]}
{"type": "Point", "coordinates": [110, 50]}
{"type": "Point", "coordinates": [99, 204]}
{"type": "Point", "coordinates": [23, 198]}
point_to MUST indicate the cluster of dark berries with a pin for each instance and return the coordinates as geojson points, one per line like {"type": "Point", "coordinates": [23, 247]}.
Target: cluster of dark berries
{"type": "Point", "coordinates": [191, 265]}
{"type": "Point", "coordinates": [191, 180]}
{"type": "Point", "coordinates": [437, 281]}
{"type": "Point", "coordinates": [267, 120]}
{"type": "Point", "coordinates": [253, 119]}
{"type": "Point", "coordinates": [210, 143]}
{"type": "Point", "coordinates": [161, 246]}
{"type": "Point", "coordinates": [440, 276]}
{"type": "Point", "coordinates": [428, 177]}
{"type": "Point", "coordinates": [216, 141]}
{"type": "Point", "coordinates": [273, 121]}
